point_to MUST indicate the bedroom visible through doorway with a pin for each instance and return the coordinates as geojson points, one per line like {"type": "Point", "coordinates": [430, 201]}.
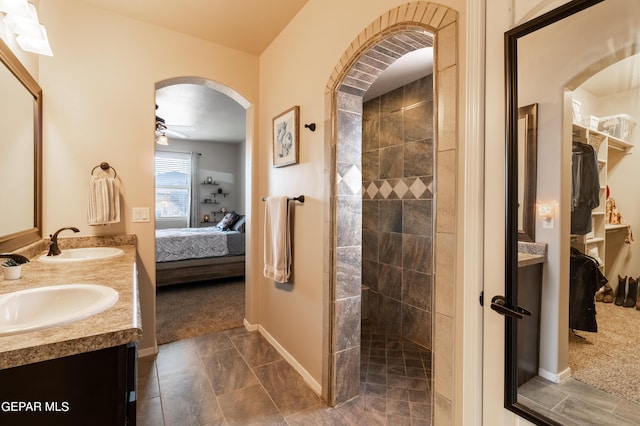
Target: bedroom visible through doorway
{"type": "Point", "coordinates": [200, 213]}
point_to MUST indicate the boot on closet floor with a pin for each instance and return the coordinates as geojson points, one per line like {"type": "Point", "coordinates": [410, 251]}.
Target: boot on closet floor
{"type": "Point", "coordinates": [621, 291]}
{"type": "Point", "coordinates": [638, 302]}
{"type": "Point", "coordinates": [632, 294]}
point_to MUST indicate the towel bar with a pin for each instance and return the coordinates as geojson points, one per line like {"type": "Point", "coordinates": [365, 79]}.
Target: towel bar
{"type": "Point", "coordinates": [299, 198]}
{"type": "Point", "coordinates": [105, 166]}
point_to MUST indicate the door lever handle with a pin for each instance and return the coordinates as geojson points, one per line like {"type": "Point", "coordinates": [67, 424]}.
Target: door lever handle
{"type": "Point", "coordinates": [498, 305]}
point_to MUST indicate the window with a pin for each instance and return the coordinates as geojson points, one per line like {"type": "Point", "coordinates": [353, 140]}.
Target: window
{"type": "Point", "coordinates": [173, 185]}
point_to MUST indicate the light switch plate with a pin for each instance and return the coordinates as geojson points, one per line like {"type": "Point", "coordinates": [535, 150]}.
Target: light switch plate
{"type": "Point", "coordinates": [141, 214]}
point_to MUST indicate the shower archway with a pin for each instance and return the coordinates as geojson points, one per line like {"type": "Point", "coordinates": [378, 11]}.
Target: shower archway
{"type": "Point", "coordinates": [400, 30]}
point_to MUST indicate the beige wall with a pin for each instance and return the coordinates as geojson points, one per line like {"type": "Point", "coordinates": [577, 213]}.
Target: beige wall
{"type": "Point", "coordinates": [99, 99]}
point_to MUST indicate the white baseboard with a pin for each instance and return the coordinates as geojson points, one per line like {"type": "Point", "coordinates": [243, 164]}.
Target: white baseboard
{"type": "Point", "coordinates": [309, 380]}
{"type": "Point", "coordinates": [562, 377]}
{"type": "Point", "coordinates": [148, 351]}
{"type": "Point", "coordinates": [249, 326]}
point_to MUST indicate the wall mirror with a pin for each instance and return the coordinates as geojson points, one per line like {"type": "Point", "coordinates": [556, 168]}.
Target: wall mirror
{"type": "Point", "coordinates": [576, 63]}
{"type": "Point", "coordinates": [20, 154]}
{"type": "Point", "coordinates": [527, 171]}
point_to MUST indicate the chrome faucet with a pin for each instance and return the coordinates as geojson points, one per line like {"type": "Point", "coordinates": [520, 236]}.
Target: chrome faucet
{"type": "Point", "coordinates": [20, 259]}
{"type": "Point", "coordinates": [54, 250]}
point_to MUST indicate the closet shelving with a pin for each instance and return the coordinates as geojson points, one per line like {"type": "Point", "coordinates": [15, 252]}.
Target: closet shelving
{"type": "Point", "coordinates": [594, 243]}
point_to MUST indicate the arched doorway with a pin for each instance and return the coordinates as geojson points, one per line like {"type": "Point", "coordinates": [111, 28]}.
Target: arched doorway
{"type": "Point", "coordinates": [401, 30]}
{"type": "Point", "coordinates": [232, 187]}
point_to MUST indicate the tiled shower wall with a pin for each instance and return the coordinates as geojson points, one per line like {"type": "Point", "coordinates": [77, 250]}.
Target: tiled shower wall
{"type": "Point", "coordinates": [397, 209]}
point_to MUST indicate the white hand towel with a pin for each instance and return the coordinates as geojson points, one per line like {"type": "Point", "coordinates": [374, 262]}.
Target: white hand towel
{"type": "Point", "coordinates": [277, 240]}
{"type": "Point", "coordinates": [104, 201]}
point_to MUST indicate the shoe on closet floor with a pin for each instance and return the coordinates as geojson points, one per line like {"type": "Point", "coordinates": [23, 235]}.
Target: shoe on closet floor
{"type": "Point", "coordinates": [632, 293]}
{"type": "Point", "coordinates": [607, 294]}
{"type": "Point", "coordinates": [621, 291]}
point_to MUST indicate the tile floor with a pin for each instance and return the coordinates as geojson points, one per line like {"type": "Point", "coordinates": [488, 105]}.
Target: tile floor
{"type": "Point", "coordinates": [236, 377]}
{"type": "Point", "coordinates": [574, 403]}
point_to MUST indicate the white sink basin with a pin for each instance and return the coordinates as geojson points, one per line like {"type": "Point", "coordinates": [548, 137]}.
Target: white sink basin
{"type": "Point", "coordinates": [45, 307]}
{"type": "Point", "coordinates": [82, 254]}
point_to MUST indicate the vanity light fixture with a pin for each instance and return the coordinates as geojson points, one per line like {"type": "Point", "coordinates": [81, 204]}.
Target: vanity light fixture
{"type": "Point", "coordinates": [547, 212]}
{"type": "Point", "coordinates": [21, 18]}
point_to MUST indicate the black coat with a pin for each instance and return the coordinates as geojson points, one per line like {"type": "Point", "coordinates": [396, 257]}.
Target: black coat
{"type": "Point", "coordinates": [585, 187]}
{"type": "Point", "coordinates": [586, 279]}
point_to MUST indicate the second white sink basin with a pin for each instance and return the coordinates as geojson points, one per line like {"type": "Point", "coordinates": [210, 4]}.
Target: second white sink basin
{"type": "Point", "coordinates": [82, 254]}
{"type": "Point", "coordinates": [44, 307]}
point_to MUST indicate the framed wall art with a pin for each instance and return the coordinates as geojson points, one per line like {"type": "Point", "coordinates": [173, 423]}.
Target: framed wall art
{"type": "Point", "coordinates": [285, 137]}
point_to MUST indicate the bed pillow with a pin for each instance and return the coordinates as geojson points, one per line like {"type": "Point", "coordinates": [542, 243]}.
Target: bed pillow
{"type": "Point", "coordinates": [239, 225]}
{"type": "Point", "coordinates": [227, 221]}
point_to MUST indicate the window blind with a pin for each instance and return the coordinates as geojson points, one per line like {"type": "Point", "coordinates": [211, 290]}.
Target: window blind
{"type": "Point", "coordinates": [173, 184]}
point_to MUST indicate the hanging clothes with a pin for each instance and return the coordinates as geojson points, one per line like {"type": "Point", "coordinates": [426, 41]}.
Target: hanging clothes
{"type": "Point", "coordinates": [586, 280]}
{"type": "Point", "coordinates": [585, 187]}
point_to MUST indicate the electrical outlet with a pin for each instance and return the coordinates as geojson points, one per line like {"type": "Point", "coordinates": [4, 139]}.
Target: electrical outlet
{"type": "Point", "coordinates": [141, 214]}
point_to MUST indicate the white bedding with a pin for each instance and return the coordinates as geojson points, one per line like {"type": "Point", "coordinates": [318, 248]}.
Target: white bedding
{"type": "Point", "coordinates": [190, 243]}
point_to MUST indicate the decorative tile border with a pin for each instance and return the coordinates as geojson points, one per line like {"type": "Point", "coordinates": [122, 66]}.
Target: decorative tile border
{"type": "Point", "coordinates": [412, 188]}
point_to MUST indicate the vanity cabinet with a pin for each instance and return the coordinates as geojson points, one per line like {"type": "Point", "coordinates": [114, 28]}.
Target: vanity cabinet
{"type": "Point", "coordinates": [529, 296]}
{"type": "Point", "coordinates": [594, 243]}
{"type": "Point", "coordinates": [93, 388]}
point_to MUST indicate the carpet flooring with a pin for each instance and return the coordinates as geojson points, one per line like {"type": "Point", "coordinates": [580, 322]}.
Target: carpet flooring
{"type": "Point", "coordinates": [195, 309]}
{"type": "Point", "coordinates": [608, 359]}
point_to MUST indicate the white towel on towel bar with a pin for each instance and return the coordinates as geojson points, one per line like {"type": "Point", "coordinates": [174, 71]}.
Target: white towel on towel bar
{"type": "Point", "coordinates": [277, 239]}
{"type": "Point", "coordinates": [104, 200]}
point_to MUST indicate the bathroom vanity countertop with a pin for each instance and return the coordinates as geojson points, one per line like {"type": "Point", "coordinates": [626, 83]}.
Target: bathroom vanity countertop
{"type": "Point", "coordinates": [526, 259]}
{"type": "Point", "coordinates": [531, 253]}
{"type": "Point", "coordinates": [117, 325]}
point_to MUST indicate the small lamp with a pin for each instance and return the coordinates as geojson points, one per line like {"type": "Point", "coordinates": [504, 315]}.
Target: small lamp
{"type": "Point", "coordinates": [162, 139]}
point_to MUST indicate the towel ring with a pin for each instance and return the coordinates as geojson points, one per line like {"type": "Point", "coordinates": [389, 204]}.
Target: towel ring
{"type": "Point", "coordinates": [105, 166]}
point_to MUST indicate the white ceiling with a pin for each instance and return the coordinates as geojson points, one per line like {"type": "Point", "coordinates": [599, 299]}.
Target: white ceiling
{"type": "Point", "coordinates": [619, 77]}
{"type": "Point", "coordinates": [404, 70]}
{"type": "Point", "coordinates": [197, 112]}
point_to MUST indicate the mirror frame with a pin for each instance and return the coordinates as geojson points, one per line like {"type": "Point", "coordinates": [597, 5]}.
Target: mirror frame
{"type": "Point", "coordinates": [511, 188]}
{"type": "Point", "coordinates": [530, 115]}
{"type": "Point", "coordinates": [24, 237]}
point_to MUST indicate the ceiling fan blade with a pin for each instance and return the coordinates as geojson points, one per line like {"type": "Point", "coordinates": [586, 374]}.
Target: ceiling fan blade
{"type": "Point", "coordinates": [175, 133]}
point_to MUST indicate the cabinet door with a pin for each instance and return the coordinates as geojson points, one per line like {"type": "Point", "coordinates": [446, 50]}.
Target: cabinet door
{"type": "Point", "coordinates": [92, 388]}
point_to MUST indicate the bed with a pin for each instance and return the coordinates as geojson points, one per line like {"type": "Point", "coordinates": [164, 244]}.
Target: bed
{"type": "Point", "coordinates": [197, 254]}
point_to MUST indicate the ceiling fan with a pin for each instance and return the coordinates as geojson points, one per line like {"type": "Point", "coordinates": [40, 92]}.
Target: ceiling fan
{"type": "Point", "coordinates": [162, 129]}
